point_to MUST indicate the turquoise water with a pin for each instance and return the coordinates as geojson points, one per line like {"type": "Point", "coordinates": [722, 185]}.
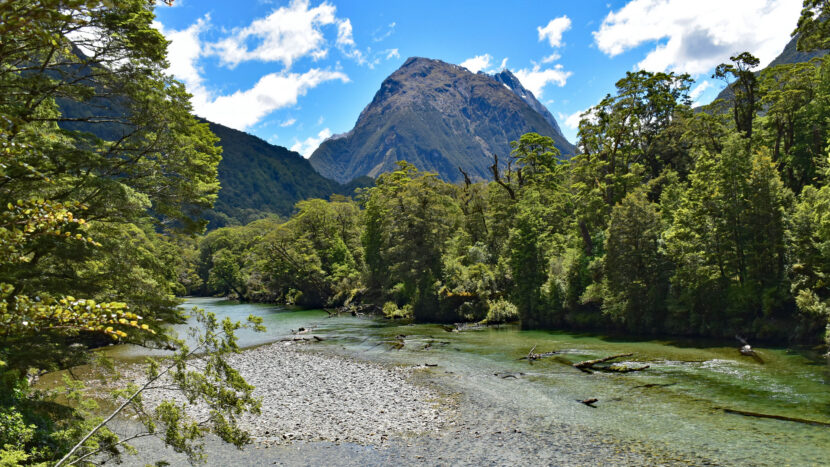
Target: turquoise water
{"type": "Point", "coordinates": [677, 403]}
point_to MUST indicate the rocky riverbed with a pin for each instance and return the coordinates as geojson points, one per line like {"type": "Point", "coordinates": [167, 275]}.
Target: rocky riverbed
{"type": "Point", "coordinates": [307, 396]}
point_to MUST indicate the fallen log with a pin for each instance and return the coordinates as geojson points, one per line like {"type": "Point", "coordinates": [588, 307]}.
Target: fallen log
{"type": "Point", "coordinates": [774, 417]}
{"type": "Point", "coordinates": [588, 365]}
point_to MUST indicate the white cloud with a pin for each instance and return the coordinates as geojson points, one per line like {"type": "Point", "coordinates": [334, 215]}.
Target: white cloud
{"type": "Point", "coordinates": [503, 64]}
{"type": "Point", "coordinates": [243, 109]}
{"type": "Point", "coordinates": [344, 33]}
{"type": "Point", "coordinates": [572, 121]}
{"type": "Point", "coordinates": [551, 58]}
{"type": "Point", "coordinates": [477, 63]}
{"type": "Point", "coordinates": [694, 39]}
{"type": "Point", "coordinates": [184, 51]}
{"type": "Point", "coordinates": [553, 31]}
{"type": "Point", "coordinates": [288, 122]}
{"type": "Point", "coordinates": [285, 35]}
{"type": "Point", "coordinates": [307, 147]}
{"type": "Point", "coordinates": [320, 120]}
{"type": "Point", "coordinates": [392, 53]}
{"type": "Point", "coordinates": [536, 78]}
{"type": "Point", "coordinates": [699, 89]}
{"type": "Point", "coordinates": [378, 37]}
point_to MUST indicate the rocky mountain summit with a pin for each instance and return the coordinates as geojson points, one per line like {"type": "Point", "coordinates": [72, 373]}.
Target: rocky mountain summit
{"type": "Point", "coordinates": [440, 117]}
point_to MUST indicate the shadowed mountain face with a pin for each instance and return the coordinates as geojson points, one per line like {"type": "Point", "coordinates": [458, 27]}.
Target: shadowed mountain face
{"type": "Point", "coordinates": [439, 117]}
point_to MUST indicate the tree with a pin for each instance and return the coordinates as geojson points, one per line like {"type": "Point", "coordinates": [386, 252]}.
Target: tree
{"type": "Point", "coordinates": [90, 123]}
{"type": "Point", "coordinates": [411, 216]}
{"type": "Point", "coordinates": [636, 270]}
{"type": "Point", "coordinates": [745, 89]}
{"type": "Point", "coordinates": [727, 242]}
{"type": "Point", "coordinates": [812, 30]}
{"type": "Point", "coordinates": [810, 245]}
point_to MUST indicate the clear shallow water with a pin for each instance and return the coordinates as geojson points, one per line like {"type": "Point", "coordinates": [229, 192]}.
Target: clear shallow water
{"type": "Point", "coordinates": [676, 404]}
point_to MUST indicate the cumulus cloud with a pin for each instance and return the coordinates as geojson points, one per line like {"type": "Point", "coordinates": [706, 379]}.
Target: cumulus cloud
{"type": "Point", "coordinates": [392, 53]}
{"type": "Point", "coordinates": [477, 63]}
{"type": "Point", "coordinates": [307, 146]}
{"type": "Point", "coordinates": [285, 35]}
{"type": "Point", "coordinates": [243, 109]}
{"type": "Point", "coordinates": [572, 121]}
{"type": "Point", "coordinates": [553, 31]}
{"type": "Point", "coordinates": [184, 51]}
{"type": "Point", "coordinates": [694, 39]}
{"type": "Point", "coordinates": [536, 78]}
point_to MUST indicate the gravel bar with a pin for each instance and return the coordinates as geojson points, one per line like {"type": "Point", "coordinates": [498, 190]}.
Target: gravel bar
{"type": "Point", "coordinates": [308, 396]}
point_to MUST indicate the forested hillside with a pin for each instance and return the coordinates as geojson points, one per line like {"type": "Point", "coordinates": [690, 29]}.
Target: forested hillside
{"type": "Point", "coordinates": [258, 179]}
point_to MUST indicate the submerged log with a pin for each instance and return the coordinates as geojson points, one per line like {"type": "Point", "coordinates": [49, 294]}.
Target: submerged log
{"type": "Point", "coordinates": [774, 417]}
{"type": "Point", "coordinates": [588, 365]}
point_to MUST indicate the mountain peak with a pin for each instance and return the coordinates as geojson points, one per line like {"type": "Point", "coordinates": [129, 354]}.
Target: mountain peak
{"type": "Point", "coordinates": [438, 116]}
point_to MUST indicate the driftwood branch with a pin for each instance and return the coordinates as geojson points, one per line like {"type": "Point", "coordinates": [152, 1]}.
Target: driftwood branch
{"type": "Point", "coordinates": [303, 339]}
{"type": "Point", "coordinates": [530, 357]}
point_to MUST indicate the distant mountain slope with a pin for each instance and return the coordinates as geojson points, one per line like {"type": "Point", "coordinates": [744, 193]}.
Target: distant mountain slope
{"type": "Point", "coordinates": [437, 116]}
{"type": "Point", "coordinates": [258, 177]}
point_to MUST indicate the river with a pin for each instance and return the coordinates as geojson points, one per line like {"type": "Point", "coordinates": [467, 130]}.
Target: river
{"type": "Point", "coordinates": [674, 407]}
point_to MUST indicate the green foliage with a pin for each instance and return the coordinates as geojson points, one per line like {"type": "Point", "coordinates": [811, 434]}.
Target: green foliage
{"type": "Point", "coordinates": [139, 184]}
{"type": "Point", "coordinates": [501, 311]}
{"type": "Point", "coordinates": [727, 240]}
{"type": "Point", "coordinates": [810, 237]}
{"type": "Point", "coordinates": [391, 311]}
{"type": "Point", "coordinates": [635, 268]}
{"type": "Point", "coordinates": [813, 30]}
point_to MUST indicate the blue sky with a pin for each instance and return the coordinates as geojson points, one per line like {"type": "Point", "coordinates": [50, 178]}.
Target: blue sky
{"type": "Point", "coordinates": [296, 72]}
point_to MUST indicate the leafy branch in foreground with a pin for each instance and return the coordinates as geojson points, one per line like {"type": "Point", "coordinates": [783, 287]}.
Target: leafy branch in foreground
{"type": "Point", "coordinates": [200, 376]}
